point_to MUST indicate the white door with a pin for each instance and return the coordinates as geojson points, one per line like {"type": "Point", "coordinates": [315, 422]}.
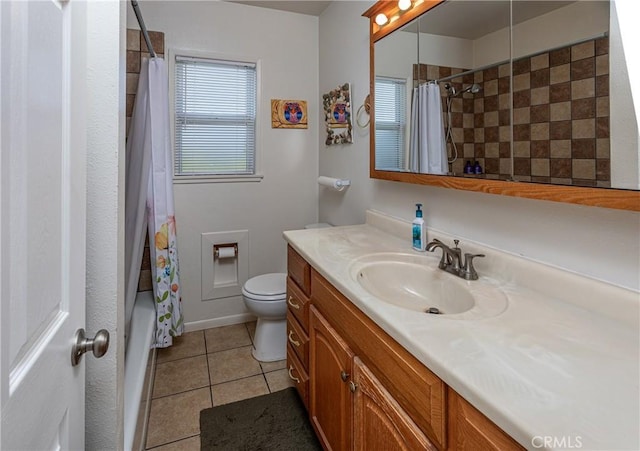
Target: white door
{"type": "Point", "coordinates": [42, 222]}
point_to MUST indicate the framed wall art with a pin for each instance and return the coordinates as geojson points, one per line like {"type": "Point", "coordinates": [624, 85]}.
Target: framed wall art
{"type": "Point", "coordinates": [337, 115]}
{"type": "Point", "coordinates": [288, 113]}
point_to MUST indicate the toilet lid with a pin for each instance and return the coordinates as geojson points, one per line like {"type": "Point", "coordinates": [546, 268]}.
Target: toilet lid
{"type": "Point", "coordinates": [273, 284]}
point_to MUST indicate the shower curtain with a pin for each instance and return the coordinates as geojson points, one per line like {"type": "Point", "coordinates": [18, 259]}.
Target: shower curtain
{"type": "Point", "coordinates": [427, 150]}
{"type": "Point", "coordinates": [149, 202]}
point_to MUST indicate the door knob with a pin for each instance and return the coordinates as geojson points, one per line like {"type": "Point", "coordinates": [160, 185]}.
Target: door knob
{"type": "Point", "coordinates": [98, 344]}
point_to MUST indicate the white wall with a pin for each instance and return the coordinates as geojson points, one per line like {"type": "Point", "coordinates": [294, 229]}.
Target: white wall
{"type": "Point", "coordinates": [287, 46]}
{"type": "Point", "coordinates": [345, 60]}
{"type": "Point", "coordinates": [623, 122]}
{"type": "Point", "coordinates": [105, 221]}
{"type": "Point", "coordinates": [397, 53]}
{"type": "Point", "coordinates": [600, 243]}
{"type": "Point", "coordinates": [492, 48]}
{"type": "Point", "coordinates": [575, 22]}
{"type": "Point", "coordinates": [572, 23]}
{"type": "Point", "coordinates": [445, 51]}
{"type": "Point", "coordinates": [396, 56]}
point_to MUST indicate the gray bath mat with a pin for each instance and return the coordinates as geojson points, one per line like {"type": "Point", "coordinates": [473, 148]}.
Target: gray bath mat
{"type": "Point", "coordinates": [277, 421]}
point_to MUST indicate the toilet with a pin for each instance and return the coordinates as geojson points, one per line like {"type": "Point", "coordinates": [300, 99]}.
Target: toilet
{"type": "Point", "coordinates": [266, 297]}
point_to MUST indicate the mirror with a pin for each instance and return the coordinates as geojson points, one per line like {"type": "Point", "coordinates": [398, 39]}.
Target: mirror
{"type": "Point", "coordinates": [463, 58]}
{"type": "Point", "coordinates": [561, 96]}
{"type": "Point", "coordinates": [559, 107]}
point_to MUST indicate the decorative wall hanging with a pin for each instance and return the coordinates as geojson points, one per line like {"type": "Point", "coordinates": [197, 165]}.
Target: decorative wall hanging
{"type": "Point", "coordinates": [288, 113]}
{"type": "Point", "coordinates": [337, 115]}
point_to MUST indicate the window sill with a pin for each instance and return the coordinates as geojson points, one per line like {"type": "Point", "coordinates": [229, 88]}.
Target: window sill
{"type": "Point", "coordinates": [217, 179]}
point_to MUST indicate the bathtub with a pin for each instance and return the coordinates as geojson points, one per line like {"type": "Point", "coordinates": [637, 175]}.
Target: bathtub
{"type": "Point", "coordinates": [139, 360]}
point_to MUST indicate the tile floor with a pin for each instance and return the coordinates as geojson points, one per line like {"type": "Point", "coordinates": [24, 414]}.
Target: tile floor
{"type": "Point", "coordinates": [204, 369]}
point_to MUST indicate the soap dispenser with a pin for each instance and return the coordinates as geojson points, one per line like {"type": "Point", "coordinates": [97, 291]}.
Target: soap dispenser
{"type": "Point", "coordinates": [419, 231]}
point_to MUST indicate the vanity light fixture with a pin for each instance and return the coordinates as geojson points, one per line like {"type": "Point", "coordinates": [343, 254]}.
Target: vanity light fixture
{"type": "Point", "coordinates": [392, 14]}
{"type": "Point", "coordinates": [381, 19]}
{"type": "Point", "coordinates": [404, 4]}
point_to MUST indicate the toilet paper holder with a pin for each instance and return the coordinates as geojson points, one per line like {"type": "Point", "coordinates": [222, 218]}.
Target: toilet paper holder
{"type": "Point", "coordinates": [216, 249]}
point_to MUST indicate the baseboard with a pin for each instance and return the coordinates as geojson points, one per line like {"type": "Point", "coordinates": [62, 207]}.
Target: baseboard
{"type": "Point", "coordinates": [218, 322]}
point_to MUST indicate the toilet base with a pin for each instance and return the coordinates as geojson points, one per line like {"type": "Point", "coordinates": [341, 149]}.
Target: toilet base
{"type": "Point", "coordinates": [270, 340]}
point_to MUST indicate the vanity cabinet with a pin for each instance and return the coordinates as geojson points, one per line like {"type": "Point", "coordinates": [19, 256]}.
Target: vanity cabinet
{"type": "Point", "coordinates": [418, 393]}
{"type": "Point", "coordinates": [379, 422]}
{"type": "Point", "coordinates": [469, 429]}
{"type": "Point", "coordinates": [330, 400]}
{"type": "Point", "coordinates": [298, 291]}
{"type": "Point", "coordinates": [349, 407]}
{"type": "Point", "coordinates": [363, 390]}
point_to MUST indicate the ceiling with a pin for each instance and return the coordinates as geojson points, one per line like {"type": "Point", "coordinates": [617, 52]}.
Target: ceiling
{"type": "Point", "coordinates": [310, 7]}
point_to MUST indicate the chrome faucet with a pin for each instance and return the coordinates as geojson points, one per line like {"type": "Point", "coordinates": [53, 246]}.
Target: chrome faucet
{"type": "Point", "coordinates": [452, 262]}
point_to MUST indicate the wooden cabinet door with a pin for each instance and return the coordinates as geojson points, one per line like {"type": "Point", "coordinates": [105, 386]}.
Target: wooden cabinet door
{"type": "Point", "coordinates": [379, 423]}
{"type": "Point", "coordinates": [330, 361]}
{"type": "Point", "coordinates": [470, 430]}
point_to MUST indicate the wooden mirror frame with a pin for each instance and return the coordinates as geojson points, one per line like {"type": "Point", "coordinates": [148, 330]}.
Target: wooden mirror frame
{"type": "Point", "coordinates": [597, 197]}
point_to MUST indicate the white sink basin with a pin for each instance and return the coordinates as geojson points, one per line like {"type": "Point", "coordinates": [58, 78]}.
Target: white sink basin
{"type": "Point", "coordinates": [415, 282]}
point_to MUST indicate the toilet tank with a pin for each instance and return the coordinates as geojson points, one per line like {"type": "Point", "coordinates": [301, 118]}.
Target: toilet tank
{"type": "Point", "coordinates": [318, 225]}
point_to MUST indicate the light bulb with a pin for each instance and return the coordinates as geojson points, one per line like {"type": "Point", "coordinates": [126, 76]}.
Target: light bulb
{"type": "Point", "coordinates": [381, 19]}
{"type": "Point", "coordinates": [404, 4]}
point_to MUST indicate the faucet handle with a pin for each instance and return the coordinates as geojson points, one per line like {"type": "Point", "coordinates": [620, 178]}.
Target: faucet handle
{"type": "Point", "coordinates": [456, 243]}
{"type": "Point", "coordinates": [469, 272]}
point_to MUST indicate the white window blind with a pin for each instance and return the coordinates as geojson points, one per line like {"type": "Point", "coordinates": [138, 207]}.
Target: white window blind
{"type": "Point", "coordinates": [215, 117]}
{"type": "Point", "coordinates": [391, 121]}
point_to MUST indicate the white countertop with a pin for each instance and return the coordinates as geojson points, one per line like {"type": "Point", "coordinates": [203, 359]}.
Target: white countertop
{"type": "Point", "coordinates": [550, 370]}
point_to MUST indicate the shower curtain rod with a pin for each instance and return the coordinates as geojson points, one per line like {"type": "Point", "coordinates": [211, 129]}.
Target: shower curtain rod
{"type": "Point", "coordinates": [136, 9]}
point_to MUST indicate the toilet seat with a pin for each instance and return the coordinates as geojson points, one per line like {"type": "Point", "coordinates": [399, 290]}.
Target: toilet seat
{"type": "Point", "coordinates": [266, 287]}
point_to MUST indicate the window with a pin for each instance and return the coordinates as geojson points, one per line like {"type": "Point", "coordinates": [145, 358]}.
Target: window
{"type": "Point", "coordinates": [215, 117]}
{"type": "Point", "coordinates": [391, 123]}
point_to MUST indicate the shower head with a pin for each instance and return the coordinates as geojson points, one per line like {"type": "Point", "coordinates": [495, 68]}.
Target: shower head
{"type": "Point", "coordinates": [474, 88]}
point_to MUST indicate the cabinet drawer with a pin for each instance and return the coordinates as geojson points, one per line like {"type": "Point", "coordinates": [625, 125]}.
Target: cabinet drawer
{"type": "Point", "coordinates": [298, 340]}
{"type": "Point", "coordinates": [299, 270]}
{"type": "Point", "coordinates": [298, 304]}
{"type": "Point", "coordinates": [299, 375]}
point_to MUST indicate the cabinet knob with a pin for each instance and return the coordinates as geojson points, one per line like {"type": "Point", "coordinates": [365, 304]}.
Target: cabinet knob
{"type": "Point", "coordinates": [344, 376]}
{"type": "Point", "coordinates": [291, 339]}
{"type": "Point", "coordinates": [353, 386]}
{"type": "Point", "coordinates": [295, 379]}
{"type": "Point", "coordinates": [293, 304]}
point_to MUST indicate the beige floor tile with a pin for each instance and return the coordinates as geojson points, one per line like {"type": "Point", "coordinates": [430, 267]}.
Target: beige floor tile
{"type": "Point", "coordinates": [176, 417]}
{"type": "Point", "coordinates": [246, 388]}
{"type": "Point", "coordinates": [181, 375]}
{"type": "Point", "coordinates": [251, 327]}
{"type": "Point", "coordinates": [188, 444]}
{"type": "Point", "coordinates": [267, 367]}
{"type": "Point", "coordinates": [226, 366]}
{"type": "Point", "coordinates": [186, 345]}
{"type": "Point", "coordinates": [278, 380]}
{"type": "Point", "coordinates": [226, 337]}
